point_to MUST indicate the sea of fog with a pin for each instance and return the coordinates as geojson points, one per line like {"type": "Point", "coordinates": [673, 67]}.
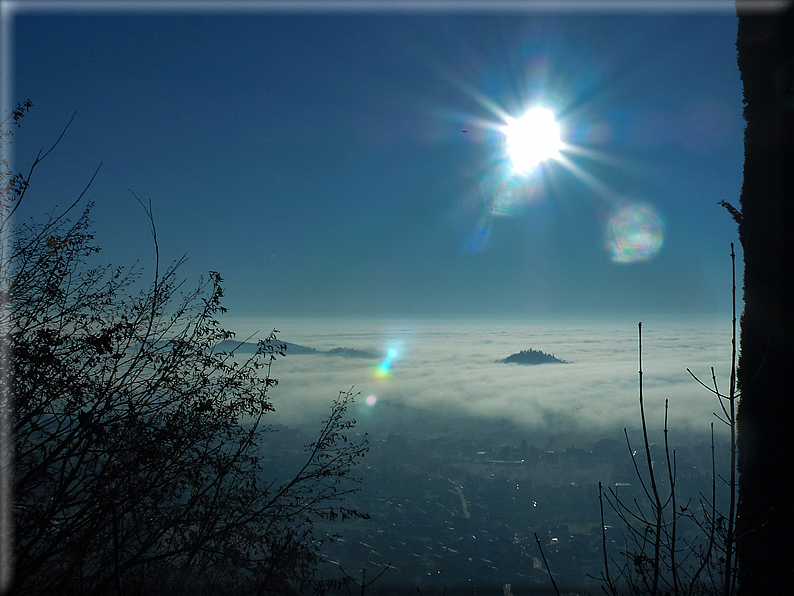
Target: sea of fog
{"type": "Point", "coordinates": [443, 376]}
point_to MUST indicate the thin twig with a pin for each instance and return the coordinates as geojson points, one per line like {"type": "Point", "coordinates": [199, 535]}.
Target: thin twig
{"type": "Point", "coordinates": [607, 578]}
{"type": "Point", "coordinates": [729, 538]}
{"type": "Point", "coordinates": [656, 500]}
{"type": "Point", "coordinates": [548, 570]}
{"type": "Point", "coordinates": [36, 162]}
{"type": "Point", "coordinates": [364, 583]}
{"type": "Point", "coordinates": [671, 477]}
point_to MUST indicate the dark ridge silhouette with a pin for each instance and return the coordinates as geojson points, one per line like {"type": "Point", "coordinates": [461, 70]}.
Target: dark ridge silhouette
{"type": "Point", "coordinates": [351, 353]}
{"type": "Point", "coordinates": [229, 345]}
{"type": "Point", "coordinates": [240, 347]}
{"type": "Point", "coordinates": [532, 357]}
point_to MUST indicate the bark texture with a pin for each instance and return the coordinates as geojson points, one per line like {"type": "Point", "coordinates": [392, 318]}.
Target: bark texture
{"type": "Point", "coordinates": [765, 525]}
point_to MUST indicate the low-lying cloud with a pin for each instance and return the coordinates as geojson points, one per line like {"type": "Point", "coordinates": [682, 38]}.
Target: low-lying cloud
{"type": "Point", "coordinates": [448, 372]}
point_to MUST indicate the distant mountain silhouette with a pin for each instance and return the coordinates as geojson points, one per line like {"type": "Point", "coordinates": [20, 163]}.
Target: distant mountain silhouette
{"type": "Point", "coordinates": [239, 347]}
{"type": "Point", "coordinates": [533, 357]}
{"type": "Point", "coordinates": [351, 353]}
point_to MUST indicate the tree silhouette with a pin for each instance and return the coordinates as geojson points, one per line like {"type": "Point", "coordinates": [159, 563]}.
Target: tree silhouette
{"type": "Point", "coordinates": [765, 524]}
{"type": "Point", "coordinates": [133, 443]}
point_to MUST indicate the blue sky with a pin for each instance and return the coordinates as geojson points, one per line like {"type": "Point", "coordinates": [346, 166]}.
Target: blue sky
{"type": "Point", "coordinates": [318, 160]}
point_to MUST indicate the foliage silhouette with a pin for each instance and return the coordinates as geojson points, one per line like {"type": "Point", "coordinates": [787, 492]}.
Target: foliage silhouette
{"type": "Point", "coordinates": [132, 442]}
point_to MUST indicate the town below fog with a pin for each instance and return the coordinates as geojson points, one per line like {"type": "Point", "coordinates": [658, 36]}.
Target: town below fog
{"type": "Point", "coordinates": [457, 510]}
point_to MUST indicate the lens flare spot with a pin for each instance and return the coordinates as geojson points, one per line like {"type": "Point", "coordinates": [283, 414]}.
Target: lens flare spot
{"type": "Point", "coordinates": [505, 193]}
{"type": "Point", "coordinates": [382, 371]}
{"type": "Point", "coordinates": [477, 238]}
{"type": "Point", "coordinates": [532, 138]}
{"type": "Point", "coordinates": [371, 400]}
{"type": "Point", "coordinates": [634, 233]}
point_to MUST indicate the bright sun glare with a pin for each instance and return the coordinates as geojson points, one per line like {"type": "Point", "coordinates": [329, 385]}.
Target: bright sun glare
{"type": "Point", "coordinates": [532, 138]}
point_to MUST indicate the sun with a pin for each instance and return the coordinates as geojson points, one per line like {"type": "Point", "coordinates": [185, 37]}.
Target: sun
{"type": "Point", "coordinates": [532, 139]}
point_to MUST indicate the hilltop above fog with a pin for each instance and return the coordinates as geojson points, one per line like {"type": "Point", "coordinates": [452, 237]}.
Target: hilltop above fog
{"type": "Point", "coordinates": [532, 357]}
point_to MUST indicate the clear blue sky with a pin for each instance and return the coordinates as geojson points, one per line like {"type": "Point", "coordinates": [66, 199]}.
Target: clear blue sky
{"type": "Point", "coordinates": [319, 162]}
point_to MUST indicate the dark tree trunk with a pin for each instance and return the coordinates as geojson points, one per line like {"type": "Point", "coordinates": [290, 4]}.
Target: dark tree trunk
{"type": "Point", "coordinates": [765, 525]}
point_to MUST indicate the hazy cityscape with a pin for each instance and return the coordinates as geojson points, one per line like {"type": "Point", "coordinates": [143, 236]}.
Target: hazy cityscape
{"type": "Point", "coordinates": [456, 509]}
